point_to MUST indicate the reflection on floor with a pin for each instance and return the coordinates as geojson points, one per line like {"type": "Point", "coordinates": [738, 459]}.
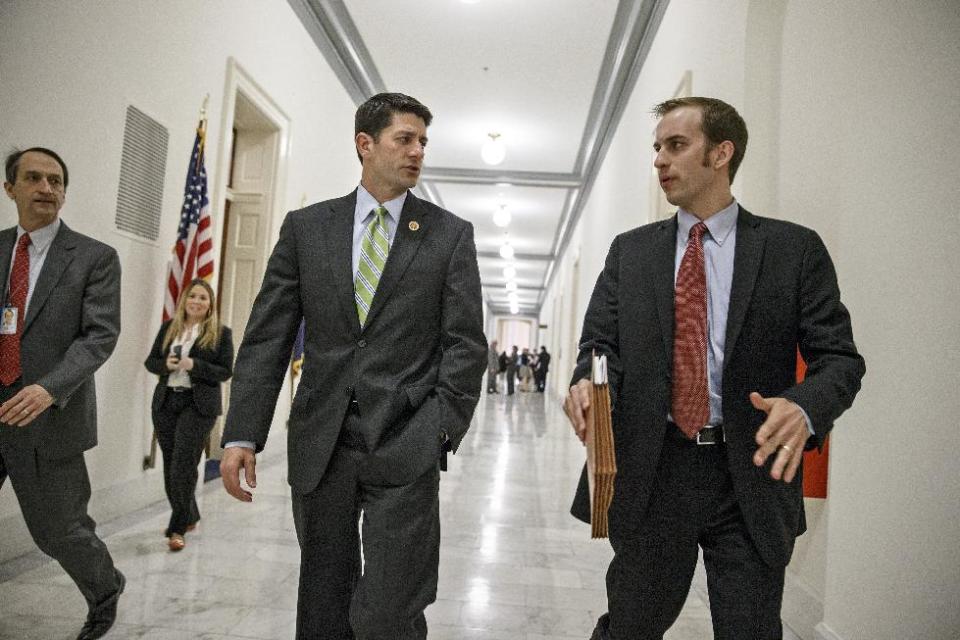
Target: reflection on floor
{"type": "Point", "coordinates": [514, 564]}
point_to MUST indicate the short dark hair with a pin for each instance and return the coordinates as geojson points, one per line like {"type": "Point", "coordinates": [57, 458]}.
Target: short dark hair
{"type": "Point", "coordinates": [375, 115]}
{"type": "Point", "coordinates": [13, 163]}
{"type": "Point", "coordinates": [720, 122]}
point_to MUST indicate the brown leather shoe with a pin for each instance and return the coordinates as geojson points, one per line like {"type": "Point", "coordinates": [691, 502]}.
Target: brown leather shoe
{"type": "Point", "coordinates": [176, 542]}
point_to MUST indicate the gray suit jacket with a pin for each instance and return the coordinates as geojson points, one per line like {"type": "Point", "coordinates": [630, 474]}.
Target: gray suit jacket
{"type": "Point", "coordinates": [71, 328]}
{"type": "Point", "coordinates": [414, 368]}
{"type": "Point", "coordinates": [784, 296]}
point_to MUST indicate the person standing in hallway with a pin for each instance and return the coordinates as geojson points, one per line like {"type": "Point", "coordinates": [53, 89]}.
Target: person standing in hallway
{"type": "Point", "coordinates": [493, 367]}
{"type": "Point", "coordinates": [193, 355]}
{"type": "Point", "coordinates": [61, 323]}
{"type": "Point", "coordinates": [543, 366]}
{"type": "Point", "coordinates": [389, 289]}
{"type": "Point", "coordinates": [513, 362]}
{"type": "Point", "coordinates": [701, 317]}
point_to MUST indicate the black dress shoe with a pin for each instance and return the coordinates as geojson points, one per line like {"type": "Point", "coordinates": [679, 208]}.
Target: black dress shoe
{"type": "Point", "coordinates": [102, 617]}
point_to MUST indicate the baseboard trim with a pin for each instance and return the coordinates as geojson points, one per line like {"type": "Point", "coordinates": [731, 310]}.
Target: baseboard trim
{"type": "Point", "coordinates": [823, 632]}
{"type": "Point", "coordinates": [802, 608]}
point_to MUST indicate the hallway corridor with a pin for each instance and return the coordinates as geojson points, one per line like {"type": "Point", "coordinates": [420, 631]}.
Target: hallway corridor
{"type": "Point", "coordinates": [514, 564]}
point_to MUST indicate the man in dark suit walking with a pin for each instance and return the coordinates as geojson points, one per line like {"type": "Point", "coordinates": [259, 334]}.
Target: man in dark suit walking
{"type": "Point", "coordinates": [543, 367]}
{"type": "Point", "coordinates": [61, 322]}
{"type": "Point", "coordinates": [701, 317]}
{"type": "Point", "coordinates": [389, 289]}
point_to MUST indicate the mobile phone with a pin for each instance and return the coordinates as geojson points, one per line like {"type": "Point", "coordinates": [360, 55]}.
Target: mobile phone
{"type": "Point", "coordinates": [178, 351]}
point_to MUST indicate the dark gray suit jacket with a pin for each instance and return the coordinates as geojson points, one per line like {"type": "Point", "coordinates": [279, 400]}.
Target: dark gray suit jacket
{"type": "Point", "coordinates": [71, 328]}
{"type": "Point", "coordinates": [784, 295]}
{"type": "Point", "coordinates": [415, 367]}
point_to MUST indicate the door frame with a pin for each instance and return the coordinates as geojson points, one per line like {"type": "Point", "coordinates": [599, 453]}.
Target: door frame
{"type": "Point", "coordinates": [239, 80]}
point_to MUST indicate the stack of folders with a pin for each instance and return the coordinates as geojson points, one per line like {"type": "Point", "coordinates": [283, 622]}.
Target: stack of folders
{"type": "Point", "coordinates": [601, 462]}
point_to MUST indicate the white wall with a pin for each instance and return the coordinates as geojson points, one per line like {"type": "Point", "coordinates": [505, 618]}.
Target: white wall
{"type": "Point", "coordinates": [853, 113]}
{"type": "Point", "coordinates": [870, 130]}
{"type": "Point", "coordinates": [68, 71]}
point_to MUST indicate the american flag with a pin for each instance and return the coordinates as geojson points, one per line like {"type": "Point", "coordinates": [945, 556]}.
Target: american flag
{"type": "Point", "coordinates": [193, 251]}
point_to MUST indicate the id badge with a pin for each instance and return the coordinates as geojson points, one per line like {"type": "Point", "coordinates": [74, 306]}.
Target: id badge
{"type": "Point", "coordinates": [8, 322]}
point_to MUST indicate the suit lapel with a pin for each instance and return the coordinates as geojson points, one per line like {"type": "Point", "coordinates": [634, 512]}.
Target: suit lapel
{"type": "Point", "coordinates": [663, 258]}
{"type": "Point", "coordinates": [8, 238]}
{"type": "Point", "coordinates": [337, 238]}
{"type": "Point", "coordinates": [59, 256]}
{"type": "Point", "coordinates": [746, 265]}
{"type": "Point", "coordinates": [405, 244]}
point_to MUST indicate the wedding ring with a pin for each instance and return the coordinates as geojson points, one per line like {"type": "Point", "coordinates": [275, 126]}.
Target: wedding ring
{"type": "Point", "coordinates": [788, 449]}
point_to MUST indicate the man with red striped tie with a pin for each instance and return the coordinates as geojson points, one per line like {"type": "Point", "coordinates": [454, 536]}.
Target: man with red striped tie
{"type": "Point", "coordinates": [60, 323]}
{"type": "Point", "coordinates": [700, 317]}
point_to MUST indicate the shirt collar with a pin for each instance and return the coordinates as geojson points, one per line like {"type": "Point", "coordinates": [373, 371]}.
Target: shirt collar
{"type": "Point", "coordinates": [719, 224]}
{"type": "Point", "coordinates": [367, 203]}
{"type": "Point", "coordinates": [42, 237]}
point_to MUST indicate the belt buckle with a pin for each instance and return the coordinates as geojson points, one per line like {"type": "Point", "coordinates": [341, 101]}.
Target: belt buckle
{"type": "Point", "coordinates": [712, 430]}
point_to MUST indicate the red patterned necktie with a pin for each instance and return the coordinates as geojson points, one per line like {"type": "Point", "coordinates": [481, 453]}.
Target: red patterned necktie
{"type": "Point", "coordinates": [19, 284]}
{"type": "Point", "coordinates": [690, 397]}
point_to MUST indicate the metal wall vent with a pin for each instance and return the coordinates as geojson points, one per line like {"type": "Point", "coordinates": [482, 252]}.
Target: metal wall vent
{"type": "Point", "coordinates": [142, 170]}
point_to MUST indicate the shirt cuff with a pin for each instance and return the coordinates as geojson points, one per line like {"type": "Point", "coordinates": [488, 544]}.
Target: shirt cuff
{"type": "Point", "coordinates": [805, 417]}
{"type": "Point", "coordinates": [249, 445]}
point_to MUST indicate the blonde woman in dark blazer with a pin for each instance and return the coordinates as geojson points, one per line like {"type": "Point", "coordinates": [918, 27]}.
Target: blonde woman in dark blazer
{"type": "Point", "coordinates": [192, 354]}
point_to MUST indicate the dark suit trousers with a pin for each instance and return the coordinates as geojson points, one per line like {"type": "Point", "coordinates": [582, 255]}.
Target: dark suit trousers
{"type": "Point", "coordinates": [53, 496]}
{"type": "Point", "coordinates": [692, 504]}
{"type": "Point", "coordinates": [401, 550]}
{"type": "Point", "coordinates": [180, 433]}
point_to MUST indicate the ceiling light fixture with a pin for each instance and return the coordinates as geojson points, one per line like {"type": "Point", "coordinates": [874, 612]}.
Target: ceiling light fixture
{"type": "Point", "coordinates": [506, 250]}
{"type": "Point", "coordinates": [510, 272]}
{"type": "Point", "coordinates": [502, 216]}
{"type": "Point", "coordinates": [511, 286]}
{"type": "Point", "coordinates": [493, 151]}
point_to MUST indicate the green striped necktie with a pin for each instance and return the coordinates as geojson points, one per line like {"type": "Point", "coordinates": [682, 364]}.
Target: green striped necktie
{"type": "Point", "coordinates": [374, 247]}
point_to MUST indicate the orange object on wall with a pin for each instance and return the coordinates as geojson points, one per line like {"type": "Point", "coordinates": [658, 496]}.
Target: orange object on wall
{"type": "Point", "coordinates": [814, 461]}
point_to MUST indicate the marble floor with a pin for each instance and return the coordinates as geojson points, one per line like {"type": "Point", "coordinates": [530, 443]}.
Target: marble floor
{"type": "Point", "coordinates": [514, 564]}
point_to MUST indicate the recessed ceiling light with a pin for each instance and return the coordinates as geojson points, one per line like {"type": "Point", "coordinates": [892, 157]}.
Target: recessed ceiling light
{"type": "Point", "coordinates": [506, 251]}
{"type": "Point", "coordinates": [511, 286]}
{"type": "Point", "coordinates": [493, 151]}
{"type": "Point", "coordinates": [510, 272]}
{"type": "Point", "coordinates": [501, 217]}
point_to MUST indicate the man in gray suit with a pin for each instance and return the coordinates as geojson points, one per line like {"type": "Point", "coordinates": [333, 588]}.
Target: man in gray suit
{"type": "Point", "coordinates": [61, 321]}
{"type": "Point", "coordinates": [389, 289]}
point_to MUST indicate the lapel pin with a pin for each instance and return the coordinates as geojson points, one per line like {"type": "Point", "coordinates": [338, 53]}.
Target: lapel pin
{"type": "Point", "coordinates": [414, 225]}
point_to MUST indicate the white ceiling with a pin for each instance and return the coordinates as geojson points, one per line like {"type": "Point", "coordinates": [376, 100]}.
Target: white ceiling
{"type": "Point", "coordinates": [547, 75]}
{"type": "Point", "coordinates": [525, 69]}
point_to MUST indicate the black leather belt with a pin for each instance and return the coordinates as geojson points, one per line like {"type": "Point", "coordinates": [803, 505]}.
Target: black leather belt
{"type": "Point", "coordinates": [708, 435]}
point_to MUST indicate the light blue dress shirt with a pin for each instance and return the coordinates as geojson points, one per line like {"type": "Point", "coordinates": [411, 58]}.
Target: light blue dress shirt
{"type": "Point", "coordinates": [719, 249]}
{"type": "Point", "coordinates": [40, 241]}
{"type": "Point", "coordinates": [719, 246]}
{"type": "Point", "coordinates": [363, 214]}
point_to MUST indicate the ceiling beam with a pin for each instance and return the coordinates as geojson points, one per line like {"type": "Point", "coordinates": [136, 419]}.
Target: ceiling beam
{"type": "Point", "coordinates": [332, 29]}
{"type": "Point", "coordinates": [634, 28]}
{"type": "Point", "coordinates": [494, 176]}
{"type": "Point", "coordinates": [533, 257]}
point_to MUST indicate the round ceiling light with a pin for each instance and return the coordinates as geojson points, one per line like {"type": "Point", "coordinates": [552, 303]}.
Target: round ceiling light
{"type": "Point", "coordinates": [510, 272]}
{"type": "Point", "coordinates": [493, 151]}
{"type": "Point", "coordinates": [511, 286]}
{"type": "Point", "coordinates": [502, 216]}
{"type": "Point", "coordinates": [506, 250]}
